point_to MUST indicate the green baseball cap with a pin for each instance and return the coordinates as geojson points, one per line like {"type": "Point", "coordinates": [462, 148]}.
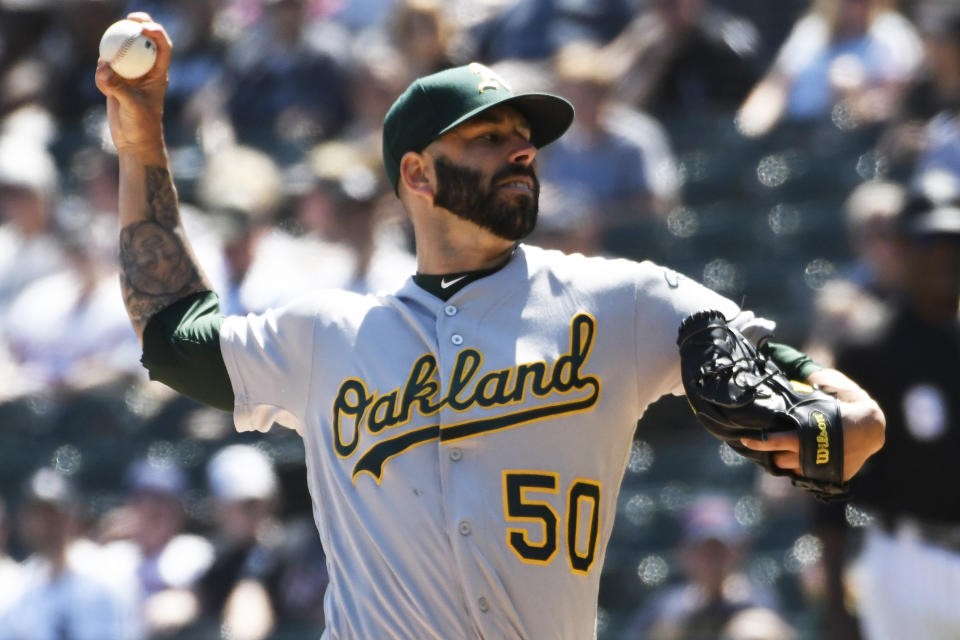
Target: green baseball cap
{"type": "Point", "coordinates": [435, 104]}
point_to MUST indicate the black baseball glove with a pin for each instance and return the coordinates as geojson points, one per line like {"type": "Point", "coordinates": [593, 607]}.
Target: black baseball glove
{"type": "Point", "coordinates": [736, 392]}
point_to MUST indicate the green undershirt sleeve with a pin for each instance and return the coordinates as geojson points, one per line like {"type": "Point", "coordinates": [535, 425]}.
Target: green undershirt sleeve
{"type": "Point", "coordinates": [181, 348]}
{"type": "Point", "coordinates": [796, 364]}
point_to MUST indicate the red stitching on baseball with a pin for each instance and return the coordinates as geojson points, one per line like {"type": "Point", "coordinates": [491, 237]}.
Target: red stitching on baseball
{"type": "Point", "coordinates": [124, 47]}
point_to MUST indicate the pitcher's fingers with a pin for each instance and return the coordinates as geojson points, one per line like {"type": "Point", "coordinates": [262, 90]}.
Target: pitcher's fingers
{"type": "Point", "coordinates": [109, 83]}
{"type": "Point", "coordinates": [113, 85]}
{"type": "Point", "coordinates": [160, 37]}
{"type": "Point", "coordinates": [153, 29]}
{"type": "Point", "coordinates": [787, 460]}
{"type": "Point", "coordinates": [139, 16]}
{"type": "Point", "coordinates": [779, 441]}
{"type": "Point", "coordinates": [158, 34]}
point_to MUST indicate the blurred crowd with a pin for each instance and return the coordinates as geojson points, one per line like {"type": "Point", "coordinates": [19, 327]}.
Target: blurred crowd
{"type": "Point", "coordinates": [770, 150]}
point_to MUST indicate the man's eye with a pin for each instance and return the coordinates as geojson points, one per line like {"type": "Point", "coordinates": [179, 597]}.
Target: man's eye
{"type": "Point", "coordinates": [491, 137]}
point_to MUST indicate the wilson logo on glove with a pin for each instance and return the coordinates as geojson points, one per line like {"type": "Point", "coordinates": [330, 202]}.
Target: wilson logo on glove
{"type": "Point", "coordinates": [823, 438]}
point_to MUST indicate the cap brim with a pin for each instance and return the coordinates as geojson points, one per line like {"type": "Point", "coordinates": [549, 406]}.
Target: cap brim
{"type": "Point", "coordinates": [942, 220]}
{"type": "Point", "coordinates": [549, 116]}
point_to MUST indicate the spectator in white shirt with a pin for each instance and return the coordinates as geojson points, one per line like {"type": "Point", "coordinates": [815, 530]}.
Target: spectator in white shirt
{"type": "Point", "coordinates": [61, 596]}
{"type": "Point", "coordinates": [153, 555]}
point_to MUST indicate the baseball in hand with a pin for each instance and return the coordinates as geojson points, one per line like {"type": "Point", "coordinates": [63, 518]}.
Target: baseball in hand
{"type": "Point", "coordinates": [128, 52]}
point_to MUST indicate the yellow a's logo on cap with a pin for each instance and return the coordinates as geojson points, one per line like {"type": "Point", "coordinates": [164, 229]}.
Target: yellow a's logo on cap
{"type": "Point", "coordinates": [489, 79]}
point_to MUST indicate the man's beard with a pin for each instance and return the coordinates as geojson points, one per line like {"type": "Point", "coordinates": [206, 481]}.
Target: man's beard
{"type": "Point", "coordinates": [461, 191]}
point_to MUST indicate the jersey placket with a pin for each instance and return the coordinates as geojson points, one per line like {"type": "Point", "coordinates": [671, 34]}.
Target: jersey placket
{"type": "Point", "coordinates": [452, 338]}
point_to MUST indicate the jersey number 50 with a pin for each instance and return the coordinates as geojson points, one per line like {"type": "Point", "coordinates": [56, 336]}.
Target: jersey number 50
{"type": "Point", "coordinates": [582, 518]}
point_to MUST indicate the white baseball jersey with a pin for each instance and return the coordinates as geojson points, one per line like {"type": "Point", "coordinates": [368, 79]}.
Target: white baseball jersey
{"type": "Point", "coordinates": [464, 457]}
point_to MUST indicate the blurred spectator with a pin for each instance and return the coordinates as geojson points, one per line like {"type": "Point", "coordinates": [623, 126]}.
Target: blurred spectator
{"type": "Point", "coordinates": [194, 93]}
{"type": "Point", "coordinates": [854, 302]}
{"type": "Point", "coordinates": [240, 234]}
{"type": "Point", "coordinates": [241, 189]}
{"type": "Point", "coordinates": [70, 330]}
{"type": "Point", "coordinates": [536, 29]}
{"type": "Point", "coordinates": [28, 194]}
{"type": "Point", "coordinates": [266, 573]}
{"type": "Point", "coordinates": [62, 594]}
{"type": "Point", "coordinates": [22, 25]}
{"type": "Point", "coordinates": [68, 48]}
{"type": "Point", "coordinates": [152, 556]}
{"type": "Point", "coordinates": [855, 54]}
{"type": "Point", "coordinates": [239, 590]}
{"type": "Point", "coordinates": [341, 238]}
{"type": "Point", "coordinates": [715, 590]}
{"type": "Point", "coordinates": [286, 79]}
{"type": "Point", "coordinates": [757, 624]}
{"type": "Point", "coordinates": [938, 86]}
{"type": "Point", "coordinates": [25, 101]}
{"type": "Point", "coordinates": [613, 170]}
{"type": "Point", "coordinates": [567, 223]}
{"type": "Point", "coordinates": [912, 546]}
{"type": "Point", "coordinates": [935, 89]}
{"type": "Point", "coordinates": [939, 157]}
{"type": "Point", "coordinates": [338, 206]}
{"type": "Point", "coordinates": [423, 35]}
{"type": "Point", "coordinates": [93, 172]}
{"type": "Point", "coordinates": [378, 75]}
{"type": "Point", "coordinates": [303, 581]}
{"type": "Point", "coordinates": [686, 58]}
{"type": "Point", "coordinates": [10, 578]}
{"type": "Point", "coordinates": [358, 15]}
{"type": "Point", "coordinates": [850, 307]}
{"type": "Point", "coordinates": [88, 210]}
{"type": "Point", "coordinates": [872, 211]}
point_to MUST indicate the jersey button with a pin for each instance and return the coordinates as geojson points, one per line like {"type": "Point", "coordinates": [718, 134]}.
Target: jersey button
{"type": "Point", "coordinates": [456, 339]}
{"type": "Point", "coordinates": [483, 604]}
{"type": "Point", "coordinates": [450, 310]}
{"type": "Point", "coordinates": [455, 454]}
{"type": "Point", "coordinates": [464, 528]}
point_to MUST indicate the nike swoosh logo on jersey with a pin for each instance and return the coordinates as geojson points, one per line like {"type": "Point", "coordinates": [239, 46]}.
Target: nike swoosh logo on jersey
{"type": "Point", "coordinates": [444, 284]}
{"type": "Point", "coordinates": [672, 278]}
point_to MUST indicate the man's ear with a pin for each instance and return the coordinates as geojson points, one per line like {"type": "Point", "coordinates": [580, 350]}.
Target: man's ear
{"type": "Point", "coordinates": [415, 174]}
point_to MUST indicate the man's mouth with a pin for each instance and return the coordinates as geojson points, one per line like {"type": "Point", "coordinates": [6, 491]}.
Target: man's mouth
{"type": "Point", "coordinates": [517, 184]}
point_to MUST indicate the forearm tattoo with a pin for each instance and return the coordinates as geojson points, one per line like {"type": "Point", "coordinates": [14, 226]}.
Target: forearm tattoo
{"type": "Point", "coordinates": [157, 268]}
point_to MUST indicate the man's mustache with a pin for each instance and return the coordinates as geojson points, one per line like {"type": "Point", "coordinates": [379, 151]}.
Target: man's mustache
{"type": "Point", "coordinates": [516, 171]}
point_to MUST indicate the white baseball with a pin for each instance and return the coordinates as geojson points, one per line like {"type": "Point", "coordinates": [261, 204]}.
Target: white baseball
{"type": "Point", "coordinates": [128, 52]}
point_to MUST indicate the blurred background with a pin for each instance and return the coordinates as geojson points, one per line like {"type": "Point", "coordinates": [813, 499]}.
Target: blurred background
{"type": "Point", "coordinates": [762, 148]}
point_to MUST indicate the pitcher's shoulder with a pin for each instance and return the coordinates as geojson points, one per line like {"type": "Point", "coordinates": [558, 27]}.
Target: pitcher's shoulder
{"type": "Point", "coordinates": [577, 266]}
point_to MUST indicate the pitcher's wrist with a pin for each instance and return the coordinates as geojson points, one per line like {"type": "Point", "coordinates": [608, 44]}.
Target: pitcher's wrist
{"type": "Point", "coordinates": [146, 153]}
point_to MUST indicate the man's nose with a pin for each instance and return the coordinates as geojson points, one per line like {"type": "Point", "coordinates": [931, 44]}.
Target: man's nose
{"type": "Point", "coordinates": [524, 153]}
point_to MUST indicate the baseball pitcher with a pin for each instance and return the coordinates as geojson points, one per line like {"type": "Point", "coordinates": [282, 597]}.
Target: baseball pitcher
{"type": "Point", "coordinates": [466, 435]}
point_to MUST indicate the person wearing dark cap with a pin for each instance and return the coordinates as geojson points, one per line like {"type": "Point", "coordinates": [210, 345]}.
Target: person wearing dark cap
{"type": "Point", "coordinates": [153, 557]}
{"type": "Point", "coordinates": [714, 588]}
{"type": "Point", "coordinates": [62, 595]}
{"type": "Point", "coordinates": [465, 435]}
{"type": "Point", "coordinates": [240, 591]}
{"type": "Point", "coordinates": [911, 553]}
